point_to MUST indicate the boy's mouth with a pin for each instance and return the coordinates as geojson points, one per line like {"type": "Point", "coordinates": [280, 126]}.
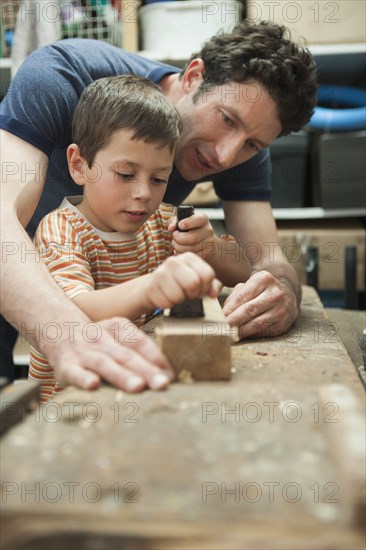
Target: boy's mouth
{"type": "Point", "coordinates": [135, 214]}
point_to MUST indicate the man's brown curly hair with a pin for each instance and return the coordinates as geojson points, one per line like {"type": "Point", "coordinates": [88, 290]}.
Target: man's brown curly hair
{"type": "Point", "coordinates": [263, 52]}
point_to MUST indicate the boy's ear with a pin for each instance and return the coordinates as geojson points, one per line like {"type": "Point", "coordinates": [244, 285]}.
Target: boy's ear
{"type": "Point", "coordinates": [193, 75]}
{"type": "Point", "coordinates": [77, 164]}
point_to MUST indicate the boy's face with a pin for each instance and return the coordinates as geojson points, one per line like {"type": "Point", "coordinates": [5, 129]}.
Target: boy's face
{"type": "Point", "coordinates": [126, 183]}
{"type": "Point", "coordinates": [224, 127]}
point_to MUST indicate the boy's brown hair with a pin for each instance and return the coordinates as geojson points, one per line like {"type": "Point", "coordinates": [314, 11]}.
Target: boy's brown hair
{"type": "Point", "coordinates": [118, 102]}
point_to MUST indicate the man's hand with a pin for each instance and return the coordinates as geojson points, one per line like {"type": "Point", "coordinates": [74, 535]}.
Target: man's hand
{"type": "Point", "coordinates": [121, 354]}
{"type": "Point", "coordinates": [181, 277]}
{"type": "Point", "coordinates": [197, 235]}
{"type": "Point", "coordinates": [262, 306]}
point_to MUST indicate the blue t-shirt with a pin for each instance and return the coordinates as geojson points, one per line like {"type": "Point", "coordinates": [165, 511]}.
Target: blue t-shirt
{"type": "Point", "coordinates": [41, 101]}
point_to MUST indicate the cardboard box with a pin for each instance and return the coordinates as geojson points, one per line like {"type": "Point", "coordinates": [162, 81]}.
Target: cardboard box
{"type": "Point", "coordinates": [331, 238]}
{"type": "Point", "coordinates": [320, 22]}
{"type": "Point", "coordinates": [177, 29]}
{"type": "Point", "coordinates": [339, 169]}
{"type": "Point", "coordinates": [290, 161]}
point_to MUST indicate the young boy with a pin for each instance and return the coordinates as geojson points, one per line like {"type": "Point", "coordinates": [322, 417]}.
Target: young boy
{"type": "Point", "coordinates": [111, 249]}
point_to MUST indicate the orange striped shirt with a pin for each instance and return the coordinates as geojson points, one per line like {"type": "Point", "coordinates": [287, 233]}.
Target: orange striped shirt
{"type": "Point", "coordinates": [82, 258]}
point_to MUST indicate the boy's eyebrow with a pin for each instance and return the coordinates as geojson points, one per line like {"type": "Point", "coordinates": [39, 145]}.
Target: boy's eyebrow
{"type": "Point", "coordinates": [235, 113]}
{"type": "Point", "coordinates": [125, 161]}
{"type": "Point", "coordinates": [136, 165]}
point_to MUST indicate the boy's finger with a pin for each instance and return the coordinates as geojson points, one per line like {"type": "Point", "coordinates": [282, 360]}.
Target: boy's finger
{"type": "Point", "coordinates": [194, 222]}
{"type": "Point", "coordinates": [215, 288]}
{"type": "Point", "coordinates": [172, 224]}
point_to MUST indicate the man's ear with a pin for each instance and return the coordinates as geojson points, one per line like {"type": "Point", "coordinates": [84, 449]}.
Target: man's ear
{"type": "Point", "coordinates": [77, 164]}
{"type": "Point", "coordinates": [193, 75]}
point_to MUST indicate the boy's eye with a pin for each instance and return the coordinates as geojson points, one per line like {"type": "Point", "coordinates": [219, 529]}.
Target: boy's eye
{"type": "Point", "coordinates": [125, 176]}
{"type": "Point", "coordinates": [159, 181]}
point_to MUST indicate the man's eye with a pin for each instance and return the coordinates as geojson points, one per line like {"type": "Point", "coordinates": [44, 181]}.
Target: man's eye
{"type": "Point", "coordinates": [253, 146]}
{"type": "Point", "coordinates": [227, 120]}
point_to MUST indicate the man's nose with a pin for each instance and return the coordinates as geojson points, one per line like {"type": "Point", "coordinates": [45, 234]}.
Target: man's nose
{"type": "Point", "coordinates": [230, 150]}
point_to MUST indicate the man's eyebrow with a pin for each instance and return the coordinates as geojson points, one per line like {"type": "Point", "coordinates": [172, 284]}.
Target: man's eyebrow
{"type": "Point", "coordinates": [235, 113]}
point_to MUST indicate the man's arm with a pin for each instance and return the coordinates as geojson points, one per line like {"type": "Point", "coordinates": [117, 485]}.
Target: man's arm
{"type": "Point", "coordinates": [269, 301]}
{"type": "Point", "coordinates": [36, 306]}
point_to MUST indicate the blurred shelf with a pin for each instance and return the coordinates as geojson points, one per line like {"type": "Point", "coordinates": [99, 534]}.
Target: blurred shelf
{"type": "Point", "coordinates": [21, 352]}
{"type": "Point", "coordinates": [5, 62]}
{"type": "Point", "coordinates": [318, 50]}
{"type": "Point", "coordinates": [311, 213]}
{"type": "Point", "coordinates": [335, 49]}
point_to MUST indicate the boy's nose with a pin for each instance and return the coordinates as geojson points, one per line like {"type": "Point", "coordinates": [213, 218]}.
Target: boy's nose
{"type": "Point", "coordinates": [141, 190]}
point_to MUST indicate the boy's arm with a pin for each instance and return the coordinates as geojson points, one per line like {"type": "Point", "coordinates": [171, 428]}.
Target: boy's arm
{"type": "Point", "coordinates": [31, 300]}
{"type": "Point", "coordinates": [177, 278]}
{"type": "Point", "coordinates": [65, 251]}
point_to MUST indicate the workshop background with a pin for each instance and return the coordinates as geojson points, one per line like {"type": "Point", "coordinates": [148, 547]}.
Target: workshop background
{"type": "Point", "coordinates": [319, 174]}
{"type": "Point", "coordinates": [274, 459]}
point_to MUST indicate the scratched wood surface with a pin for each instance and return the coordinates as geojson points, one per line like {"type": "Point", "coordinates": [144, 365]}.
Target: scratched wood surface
{"type": "Point", "coordinates": [254, 463]}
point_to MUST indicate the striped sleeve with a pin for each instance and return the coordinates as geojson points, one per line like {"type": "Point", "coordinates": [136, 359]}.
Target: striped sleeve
{"type": "Point", "coordinates": [60, 248]}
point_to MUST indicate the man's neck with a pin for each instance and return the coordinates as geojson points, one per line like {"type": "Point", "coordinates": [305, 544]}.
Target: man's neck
{"type": "Point", "coordinates": [170, 86]}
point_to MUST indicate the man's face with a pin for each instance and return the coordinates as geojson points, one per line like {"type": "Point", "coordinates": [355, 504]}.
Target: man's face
{"type": "Point", "coordinates": [224, 127]}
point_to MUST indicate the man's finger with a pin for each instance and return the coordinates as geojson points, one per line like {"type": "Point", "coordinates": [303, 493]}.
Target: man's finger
{"type": "Point", "coordinates": [245, 292]}
{"type": "Point", "coordinates": [74, 375]}
{"type": "Point", "coordinates": [140, 353]}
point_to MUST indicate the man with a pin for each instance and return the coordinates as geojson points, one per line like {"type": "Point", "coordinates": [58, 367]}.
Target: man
{"type": "Point", "coordinates": [235, 97]}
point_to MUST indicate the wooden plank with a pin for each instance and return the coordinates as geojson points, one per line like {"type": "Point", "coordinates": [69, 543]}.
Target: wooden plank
{"type": "Point", "coordinates": [198, 348]}
{"type": "Point", "coordinates": [244, 464]}
{"type": "Point", "coordinates": [351, 327]}
{"type": "Point", "coordinates": [346, 447]}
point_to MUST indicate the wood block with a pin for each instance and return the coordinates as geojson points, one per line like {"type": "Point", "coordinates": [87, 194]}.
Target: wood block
{"type": "Point", "coordinates": [199, 346]}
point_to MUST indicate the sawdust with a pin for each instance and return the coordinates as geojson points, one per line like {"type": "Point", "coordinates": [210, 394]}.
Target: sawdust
{"type": "Point", "coordinates": [185, 377]}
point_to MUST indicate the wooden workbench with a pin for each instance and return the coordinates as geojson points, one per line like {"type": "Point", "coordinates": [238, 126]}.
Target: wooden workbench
{"type": "Point", "coordinates": [259, 462]}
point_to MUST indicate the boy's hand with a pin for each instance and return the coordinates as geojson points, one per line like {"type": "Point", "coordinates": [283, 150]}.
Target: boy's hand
{"type": "Point", "coordinates": [179, 278]}
{"type": "Point", "coordinates": [199, 236]}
